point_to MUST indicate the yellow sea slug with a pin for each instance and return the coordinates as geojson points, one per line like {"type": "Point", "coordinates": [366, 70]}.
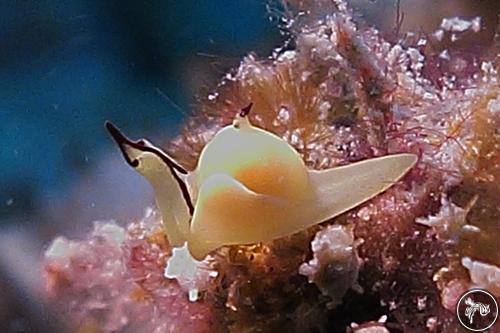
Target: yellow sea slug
{"type": "Point", "coordinates": [251, 186]}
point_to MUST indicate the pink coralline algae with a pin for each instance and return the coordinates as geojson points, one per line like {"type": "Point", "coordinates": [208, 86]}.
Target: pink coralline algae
{"type": "Point", "coordinates": [344, 93]}
{"type": "Point", "coordinates": [113, 281]}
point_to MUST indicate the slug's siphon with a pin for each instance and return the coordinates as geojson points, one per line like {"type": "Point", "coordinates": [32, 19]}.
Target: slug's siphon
{"type": "Point", "coordinates": [251, 186]}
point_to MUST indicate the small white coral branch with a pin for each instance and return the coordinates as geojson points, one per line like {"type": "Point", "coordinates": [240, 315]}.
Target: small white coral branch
{"type": "Point", "coordinates": [191, 274]}
{"type": "Point", "coordinates": [450, 222]}
{"type": "Point", "coordinates": [483, 275]}
{"type": "Point", "coordinates": [335, 264]}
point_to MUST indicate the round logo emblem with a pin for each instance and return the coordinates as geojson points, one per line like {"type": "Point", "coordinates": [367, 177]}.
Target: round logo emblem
{"type": "Point", "coordinates": [477, 310]}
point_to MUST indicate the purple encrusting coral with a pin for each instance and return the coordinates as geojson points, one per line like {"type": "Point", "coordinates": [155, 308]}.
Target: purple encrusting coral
{"type": "Point", "coordinates": [343, 94]}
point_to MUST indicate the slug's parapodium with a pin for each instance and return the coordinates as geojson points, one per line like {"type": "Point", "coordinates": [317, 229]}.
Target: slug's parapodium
{"type": "Point", "coordinates": [251, 186]}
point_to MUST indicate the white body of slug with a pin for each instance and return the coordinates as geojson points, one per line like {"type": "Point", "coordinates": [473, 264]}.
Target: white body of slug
{"type": "Point", "coordinates": [251, 186]}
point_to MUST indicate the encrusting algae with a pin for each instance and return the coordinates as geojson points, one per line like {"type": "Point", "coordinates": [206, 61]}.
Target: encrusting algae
{"type": "Point", "coordinates": [343, 94]}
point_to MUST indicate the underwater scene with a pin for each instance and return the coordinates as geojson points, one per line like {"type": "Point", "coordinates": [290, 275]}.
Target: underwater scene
{"type": "Point", "coordinates": [250, 166]}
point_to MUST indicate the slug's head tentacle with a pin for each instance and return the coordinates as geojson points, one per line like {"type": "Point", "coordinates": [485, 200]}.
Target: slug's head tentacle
{"type": "Point", "coordinates": [141, 154]}
{"type": "Point", "coordinates": [168, 179]}
{"type": "Point", "coordinates": [241, 120]}
{"type": "Point", "coordinates": [246, 110]}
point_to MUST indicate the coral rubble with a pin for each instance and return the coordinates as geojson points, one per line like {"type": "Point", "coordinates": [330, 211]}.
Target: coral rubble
{"type": "Point", "coordinates": [342, 94]}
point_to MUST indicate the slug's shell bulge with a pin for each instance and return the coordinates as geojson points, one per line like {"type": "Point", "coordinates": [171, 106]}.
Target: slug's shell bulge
{"type": "Point", "coordinates": [260, 160]}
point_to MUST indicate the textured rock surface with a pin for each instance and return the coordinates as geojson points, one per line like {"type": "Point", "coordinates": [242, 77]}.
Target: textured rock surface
{"type": "Point", "coordinates": [342, 94]}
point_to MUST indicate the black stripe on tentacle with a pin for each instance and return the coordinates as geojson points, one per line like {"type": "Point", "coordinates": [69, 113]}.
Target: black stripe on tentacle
{"type": "Point", "coordinates": [173, 166]}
